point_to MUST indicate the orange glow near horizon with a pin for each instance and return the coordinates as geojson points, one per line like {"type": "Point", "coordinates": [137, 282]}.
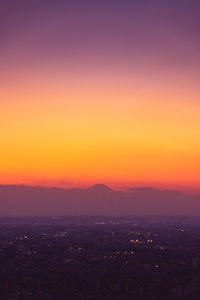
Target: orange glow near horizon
{"type": "Point", "coordinates": [99, 92]}
{"type": "Point", "coordinates": [105, 132]}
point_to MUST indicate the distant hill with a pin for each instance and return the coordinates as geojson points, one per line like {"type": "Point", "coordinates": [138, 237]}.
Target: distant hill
{"type": "Point", "coordinates": [98, 199]}
{"type": "Point", "coordinates": [100, 188]}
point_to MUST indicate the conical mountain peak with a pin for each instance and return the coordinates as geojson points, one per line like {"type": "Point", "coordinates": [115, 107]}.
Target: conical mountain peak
{"type": "Point", "coordinates": [100, 187]}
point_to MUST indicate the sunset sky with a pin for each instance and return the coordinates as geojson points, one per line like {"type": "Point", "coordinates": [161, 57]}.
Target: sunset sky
{"type": "Point", "coordinates": [100, 91]}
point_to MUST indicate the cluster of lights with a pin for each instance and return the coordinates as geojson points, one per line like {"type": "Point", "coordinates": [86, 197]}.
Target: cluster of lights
{"type": "Point", "coordinates": [21, 238]}
{"type": "Point", "coordinates": [140, 242]}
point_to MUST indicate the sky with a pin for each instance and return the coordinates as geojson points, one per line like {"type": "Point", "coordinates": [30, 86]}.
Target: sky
{"type": "Point", "coordinates": [100, 91]}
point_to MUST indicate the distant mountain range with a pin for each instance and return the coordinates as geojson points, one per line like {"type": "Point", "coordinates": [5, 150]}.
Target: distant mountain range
{"type": "Point", "coordinates": [99, 199]}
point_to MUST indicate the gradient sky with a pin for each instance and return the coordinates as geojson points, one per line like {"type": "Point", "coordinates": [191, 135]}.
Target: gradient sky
{"type": "Point", "coordinates": [100, 91]}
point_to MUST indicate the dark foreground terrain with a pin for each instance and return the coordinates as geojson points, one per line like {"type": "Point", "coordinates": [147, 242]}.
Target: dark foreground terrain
{"type": "Point", "coordinates": [100, 258]}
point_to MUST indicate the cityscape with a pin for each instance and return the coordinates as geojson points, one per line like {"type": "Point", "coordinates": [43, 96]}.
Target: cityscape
{"type": "Point", "coordinates": [55, 258]}
{"type": "Point", "coordinates": [99, 150]}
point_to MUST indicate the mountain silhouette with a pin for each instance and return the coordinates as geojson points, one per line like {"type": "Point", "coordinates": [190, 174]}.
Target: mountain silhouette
{"type": "Point", "coordinates": [100, 188]}
{"type": "Point", "coordinates": [99, 199]}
